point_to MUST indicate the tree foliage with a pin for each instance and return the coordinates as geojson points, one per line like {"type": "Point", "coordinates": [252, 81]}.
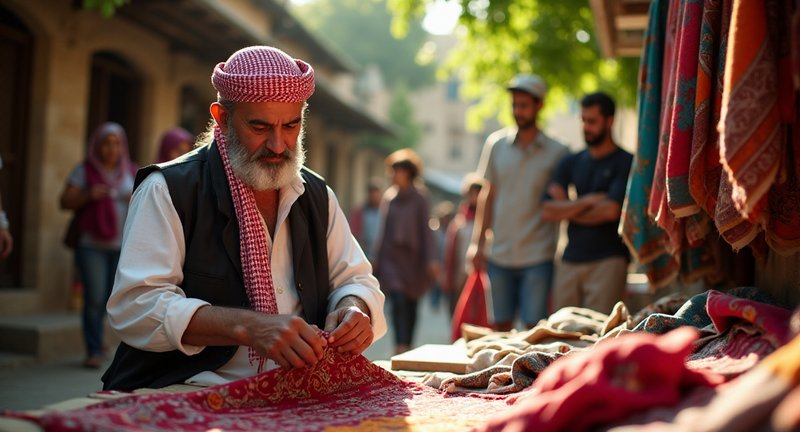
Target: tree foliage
{"type": "Point", "coordinates": [360, 30]}
{"type": "Point", "coordinates": [552, 38]}
{"type": "Point", "coordinates": [106, 7]}
{"type": "Point", "coordinates": [407, 132]}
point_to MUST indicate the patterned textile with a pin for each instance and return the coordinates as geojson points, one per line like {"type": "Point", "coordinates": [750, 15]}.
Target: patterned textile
{"type": "Point", "coordinates": [694, 312]}
{"type": "Point", "coordinates": [658, 208]}
{"type": "Point", "coordinates": [666, 305]}
{"type": "Point", "coordinates": [751, 136]}
{"type": "Point", "coordinates": [773, 321]}
{"type": "Point", "coordinates": [263, 74]}
{"type": "Point", "coordinates": [646, 241]}
{"type": "Point", "coordinates": [707, 184]}
{"type": "Point", "coordinates": [681, 126]}
{"type": "Point", "coordinates": [783, 227]}
{"type": "Point", "coordinates": [704, 166]}
{"type": "Point", "coordinates": [340, 393]}
{"type": "Point", "coordinates": [616, 378]}
{"type": "Point", "coordinates": [254, 250]}
{"type": "Point", "coordinates": [747, 331]}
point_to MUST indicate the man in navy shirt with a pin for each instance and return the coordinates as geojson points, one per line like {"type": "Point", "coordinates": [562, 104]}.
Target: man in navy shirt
{"type": "Point", "coordinates": [593, 269]}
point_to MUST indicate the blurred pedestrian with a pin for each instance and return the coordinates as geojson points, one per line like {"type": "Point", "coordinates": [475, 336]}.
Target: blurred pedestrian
{"type": "Point", "coordinates": [443, 215]}
{"type": "Point", "coordinates": [99, 188]}
{"type": "Point", "coordinates": [364, 219]}
{"type": "Point", "coordinates": [6, 239]}
{"type": "Point", "coordinates": [593, 269]}
{"type": "Point", "coordinates": [174, 142]}
{"type": "Point", "coordinates": [405, 260]}
{"type": "Point", "coordinates": [459, 233]}
{"type": "Point", "coordinates": [517, 164]}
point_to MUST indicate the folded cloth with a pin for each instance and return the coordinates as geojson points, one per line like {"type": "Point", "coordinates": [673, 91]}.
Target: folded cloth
{"type": "Point", "coordinates": [612, 380]}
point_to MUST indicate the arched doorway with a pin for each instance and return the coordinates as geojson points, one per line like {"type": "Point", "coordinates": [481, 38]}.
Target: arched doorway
{"type": "Point", "coordinates": [115, 95]}
{"type": "Point", "coordinates": [16, 50]}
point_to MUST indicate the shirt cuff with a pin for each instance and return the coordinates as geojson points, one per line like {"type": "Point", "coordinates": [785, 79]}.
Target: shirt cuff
{"type": "Point", "coordinates": [373, 300]}
{"type": "Point", "coordinates": [177, 318]}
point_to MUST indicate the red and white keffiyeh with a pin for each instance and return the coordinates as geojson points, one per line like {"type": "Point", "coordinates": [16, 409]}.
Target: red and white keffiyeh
{"type": "Point", "coordinates": [253, 247]}
{"type": "Point", "coordinates": [263, 74]}
{"type": "Point", "coordinates": [257, 74]}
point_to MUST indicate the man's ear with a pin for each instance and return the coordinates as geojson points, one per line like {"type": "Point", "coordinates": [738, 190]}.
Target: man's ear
{"type": "Point", "coordinates": [220, 115]}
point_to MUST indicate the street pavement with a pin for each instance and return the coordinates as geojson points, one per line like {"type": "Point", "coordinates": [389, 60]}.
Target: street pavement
{"type": "Point", "coordinates": [34, 386]}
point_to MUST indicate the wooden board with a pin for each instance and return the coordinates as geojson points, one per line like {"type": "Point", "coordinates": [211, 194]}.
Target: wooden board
{"type": "Point", "coordinates": [433, 358]}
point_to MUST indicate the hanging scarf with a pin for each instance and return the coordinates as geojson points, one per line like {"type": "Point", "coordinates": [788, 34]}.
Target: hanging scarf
{"type": "Point", "coordinates": [646, 241]}
{"type": "Point", "coordinates": [254, 250]}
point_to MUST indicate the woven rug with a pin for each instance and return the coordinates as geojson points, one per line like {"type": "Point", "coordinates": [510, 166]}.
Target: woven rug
{"type": "Point", "coordinates": [338, 394]}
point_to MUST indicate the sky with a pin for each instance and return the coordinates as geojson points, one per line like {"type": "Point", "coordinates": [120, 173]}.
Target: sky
{"type": "Point", "coordinates": [441, 17]}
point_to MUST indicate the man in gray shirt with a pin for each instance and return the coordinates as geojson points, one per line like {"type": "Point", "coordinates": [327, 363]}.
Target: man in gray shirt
{"type": "Point", "coordinates": [518, 251]}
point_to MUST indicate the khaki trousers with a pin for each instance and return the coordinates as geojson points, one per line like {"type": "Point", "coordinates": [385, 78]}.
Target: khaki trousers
{"type": "Point", "coordinates": [597, 285]}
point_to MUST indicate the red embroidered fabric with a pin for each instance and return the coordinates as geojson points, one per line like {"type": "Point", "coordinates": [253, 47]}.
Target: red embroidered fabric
{"type": "Point", "coordinates": [340, 393]}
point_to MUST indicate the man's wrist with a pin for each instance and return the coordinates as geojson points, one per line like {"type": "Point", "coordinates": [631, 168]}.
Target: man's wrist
{"type": "Point", "coordinates": [353, 301]}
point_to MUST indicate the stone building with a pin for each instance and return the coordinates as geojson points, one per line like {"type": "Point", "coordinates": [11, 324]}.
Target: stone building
{"type": "Point", "coordinates": [65, 69]}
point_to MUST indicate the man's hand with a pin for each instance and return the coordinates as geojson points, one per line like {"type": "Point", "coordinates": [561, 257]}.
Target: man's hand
{"type": "Point", "coordinates": [476, 257]}
{"type": "Point", "coordinates": [286, 339]}
{"type": "Point", "coordinates": [349, 326]}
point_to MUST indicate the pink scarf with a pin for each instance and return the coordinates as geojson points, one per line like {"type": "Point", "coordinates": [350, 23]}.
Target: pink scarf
{"type": "Point", "coordinates": [254, 250]}
{"type": "Point", "coordinates": [98, 218]}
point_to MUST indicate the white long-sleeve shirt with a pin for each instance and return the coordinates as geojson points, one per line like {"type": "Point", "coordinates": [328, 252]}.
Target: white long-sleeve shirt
{"type": "Point", "coordinates": [149, 310]}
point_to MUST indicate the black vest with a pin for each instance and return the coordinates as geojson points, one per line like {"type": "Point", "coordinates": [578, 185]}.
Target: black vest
{"type": "Point", "coordinates": [212, 270]}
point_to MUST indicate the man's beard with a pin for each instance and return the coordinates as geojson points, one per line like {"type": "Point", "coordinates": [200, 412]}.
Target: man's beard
{"type": "Point", "coordinates": [525, 123]}
{"type": "Point", "coordinates": [263, 176]}
{"type": "Point", "coordinates": [595, 140]}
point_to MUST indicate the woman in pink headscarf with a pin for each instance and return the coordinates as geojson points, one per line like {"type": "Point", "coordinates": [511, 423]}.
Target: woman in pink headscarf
{"type": "Point", "coordinates": [174, 143]}
{"type": "Point", "coordinates": [99, 188]}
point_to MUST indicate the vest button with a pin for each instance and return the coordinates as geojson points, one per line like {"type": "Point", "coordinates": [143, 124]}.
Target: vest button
{"type": "Point", "coordinates": [299, 286]}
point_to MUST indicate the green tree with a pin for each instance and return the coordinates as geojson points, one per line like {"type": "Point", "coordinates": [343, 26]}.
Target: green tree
{"type": "Point", "coordinates": [106, 7]}
{"type": "Point", "coordinates": [401, 115]}
{"type": "Point", "coordinates": [552, 38]}
{"type": "Point", "coordinates": [360, 30]}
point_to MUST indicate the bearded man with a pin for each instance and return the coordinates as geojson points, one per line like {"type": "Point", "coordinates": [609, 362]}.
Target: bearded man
{"type": "Point", "coordinates": [510, 239]}
{"type": "Point", "coordinates": [593, 269]}
{"type": "Point", "coordinates": [235, 255]}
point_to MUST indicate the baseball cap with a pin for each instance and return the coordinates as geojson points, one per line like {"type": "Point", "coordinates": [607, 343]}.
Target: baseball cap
{"type": "Point", "coordinates": [531, 84]}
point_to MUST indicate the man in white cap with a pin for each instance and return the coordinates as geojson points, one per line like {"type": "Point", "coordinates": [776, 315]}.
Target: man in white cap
{"type": "Point", "coordinates": [234, 256]}
{"type": "Point", "coordinates": [517, 164]}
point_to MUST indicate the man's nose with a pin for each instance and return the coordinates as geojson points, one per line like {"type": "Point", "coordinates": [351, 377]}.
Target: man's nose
{"type": "Point", "coordinates": [276, 141]}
